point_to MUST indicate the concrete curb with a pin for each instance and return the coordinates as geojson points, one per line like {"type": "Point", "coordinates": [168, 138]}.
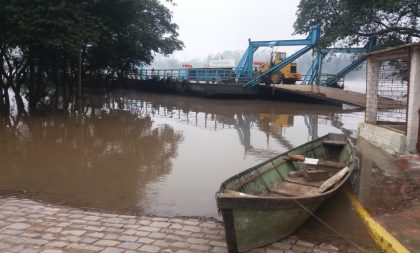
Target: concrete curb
{"type": "Point", "coordinates": [380, 235]}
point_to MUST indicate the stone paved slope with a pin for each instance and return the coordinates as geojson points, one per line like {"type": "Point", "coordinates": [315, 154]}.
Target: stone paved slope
{"type": "Point", "coordinates": [29, 226]}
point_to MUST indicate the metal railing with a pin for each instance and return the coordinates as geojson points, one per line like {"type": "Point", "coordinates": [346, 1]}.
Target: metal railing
{"type": "Point", "coordinates": [196, 75]}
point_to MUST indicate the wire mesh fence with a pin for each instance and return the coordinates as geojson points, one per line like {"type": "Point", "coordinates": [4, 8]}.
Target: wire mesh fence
{"type": "Point", "coordinates": [393, 88]}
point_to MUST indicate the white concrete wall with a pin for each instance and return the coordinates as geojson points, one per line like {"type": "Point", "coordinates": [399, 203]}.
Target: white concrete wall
{"type": "Point", "coordinates": [388, 140]}
{"type": "Point", "coordinates": [413, 100]}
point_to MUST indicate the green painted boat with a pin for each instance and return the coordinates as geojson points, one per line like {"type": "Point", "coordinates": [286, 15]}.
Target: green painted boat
{"type": "Point", "coordinates": [271, 200]}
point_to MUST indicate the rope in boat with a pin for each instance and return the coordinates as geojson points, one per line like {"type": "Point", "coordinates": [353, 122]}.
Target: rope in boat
{"type": "Point", "coordinates": [327, 225]}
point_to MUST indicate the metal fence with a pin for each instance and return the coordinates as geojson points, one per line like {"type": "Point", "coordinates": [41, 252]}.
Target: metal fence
{"type": "Point", "coordinates": [195, 75]}
{"type": "Point", "coordinates": [393, 87]}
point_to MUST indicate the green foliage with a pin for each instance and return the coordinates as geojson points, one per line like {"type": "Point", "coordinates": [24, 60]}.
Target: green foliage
{"type": "Point", "coordinates": [113, 35]}
{"type": "Point", "coordinates": [350, 22]}
{"type": "Point", "coordinates": [132, 34]}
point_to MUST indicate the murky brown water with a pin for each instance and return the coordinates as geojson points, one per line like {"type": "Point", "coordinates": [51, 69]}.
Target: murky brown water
{"type": "Point", "coordinates": [156, 154]}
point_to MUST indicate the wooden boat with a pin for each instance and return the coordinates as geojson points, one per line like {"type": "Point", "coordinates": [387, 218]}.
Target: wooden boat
{"type": "Point", "coordinates": [269, 201]}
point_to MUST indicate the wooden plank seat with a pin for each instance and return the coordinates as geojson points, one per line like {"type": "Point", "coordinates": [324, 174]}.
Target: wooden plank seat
{"type": "Point", "coordinates": [293, 189]}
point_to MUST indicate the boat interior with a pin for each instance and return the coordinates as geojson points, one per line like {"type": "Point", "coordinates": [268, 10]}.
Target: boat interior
{"type": "Point", "coordinates": [308, 170]}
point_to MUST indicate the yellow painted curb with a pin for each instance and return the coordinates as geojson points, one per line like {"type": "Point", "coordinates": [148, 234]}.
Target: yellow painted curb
{"type": "Point", "coordinates": [383, 238]}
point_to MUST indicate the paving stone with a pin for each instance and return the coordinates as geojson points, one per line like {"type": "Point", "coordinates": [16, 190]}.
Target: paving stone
{"type": "Point", "coordinates": [84, 247]}
{"type": "Point", "coordinates": [28, 235]}
{"type": "Point", "coordinates": [218, 243]}
{"type": "Point", "coordinates": [39, 242]}
{"type": "Point", "coordinates": [176, 226]}
{"type": "Point", "coordinates": [52, 251]}
{"type": "Point", "coordinates": [29, 250]}
{"type": "Point", "coordinates": [71, 238]}
{"type": "Point", "coordinates": [88, 240]}
{"type": "Point", "coordinates": [281, 245]}
{"type": "Point", "coordinates": [94, 228]}
{"type": "Point", "coordinates": [107, 243]}
{"type": "Point", "coordinates": [131, 232]}
{"type": "Point", "coordinates": [191, 222]}
{"type": "Point", "coordinates": [305, 244]}
{"type": "Point", "coordinates": [191, 228]}
{"type": "Point", "coordinates": [144, 222]}
{"type": "Point", "coordinates": [16, 219]}
{"type": "Point", "coordinates": [145, 240]}
{"type": "Point", "coordinates": [112, 250]}
{"type": "Point", "coordinates": [149, 248]}
{"type": "Point", "coordinates": [131, 226]}
{"type": "Point", "coordinates": [159, 219]}
{"type": "Point", "coordinates": [174, 237]}
{"type": "Point", "coordinates": [54, 229]}
{"type": "Point", "coordinates": [180, 245]}
{"type": "Point", "coordinates": [15, 239]}
{"type": "Point", "coordinates": [49, 237]}
{"type": "Point", "coordinates": [142, 233]}
{"type": "Point", "coordinates": [197, 241]}
{"type": "Point", "coordinates": [57, 244]}
{"type": "Point", "coordinates": [130, 245]}
{"type": "Point", "coordinates": [92, 218]}
{"type": "Point", "coordinates": [96, 235]}
{"type": "Point", "coordinates": [183, 233]}
{"type": "Point", "coordinates": [200, 247]}
{"type": "Point", "coordinates": [149, 229]}
{"type": "Point", "coordinates": [157, 235]}
{"type": "Point", "coordinates": [111, 236]}
{"type": "Point", "coordinates": [184, 251]}
{"type": "Point", "coordinates": [326, 246]}
{"type": "Point", "coordinates": [48, 229]}
{"type": "Point", "coordinates": [161, 243]}
{"type": "Point", "coordinates": [127, 238]}
{"type": "Point", "coordinates": [18, 226]}
{"type": "Point", "coordinates": [219, 250]}
{"type": "Point", "coordinates": [159, 224]}
{"type": "Point", "coordinates": [112, 220]}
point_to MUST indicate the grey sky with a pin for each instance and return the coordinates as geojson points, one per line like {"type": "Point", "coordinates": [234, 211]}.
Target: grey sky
{"type": "Point", "coordinates": [211, 26]}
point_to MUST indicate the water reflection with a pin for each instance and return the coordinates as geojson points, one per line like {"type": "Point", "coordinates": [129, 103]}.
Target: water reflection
{"type": "Point", "coordinates": [158, 154]}
{"type": "Point", "coordinates": [100, 159]}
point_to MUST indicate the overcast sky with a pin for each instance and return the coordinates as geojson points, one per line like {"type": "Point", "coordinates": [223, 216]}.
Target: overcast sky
{"type": "Point", "coordinates": [212, 26]}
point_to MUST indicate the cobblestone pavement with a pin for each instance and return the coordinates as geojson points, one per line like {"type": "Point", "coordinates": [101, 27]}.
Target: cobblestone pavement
{"type": "Point", "coordinates": [29, 226]}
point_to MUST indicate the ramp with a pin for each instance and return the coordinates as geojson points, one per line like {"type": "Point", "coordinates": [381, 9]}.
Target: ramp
{"type": "Point", "coordinates": [336, 95]}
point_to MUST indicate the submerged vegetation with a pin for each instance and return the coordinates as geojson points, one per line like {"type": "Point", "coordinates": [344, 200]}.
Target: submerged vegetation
{"type": "Point", "coordinates": [47, 46]}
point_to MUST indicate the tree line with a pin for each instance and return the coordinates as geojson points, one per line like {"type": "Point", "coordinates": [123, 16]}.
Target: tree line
{"type": "Point", "coordinates": [42, 43]}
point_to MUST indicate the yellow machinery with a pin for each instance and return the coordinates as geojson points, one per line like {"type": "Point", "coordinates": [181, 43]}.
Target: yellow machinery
{"type": "Point", "coordinates": [286, 75]}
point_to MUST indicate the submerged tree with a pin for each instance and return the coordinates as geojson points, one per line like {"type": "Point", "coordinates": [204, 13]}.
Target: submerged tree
{"type": "Point", "coordinates": [350, 22]}
{"type": "Point", "coordinates": [40, 41]}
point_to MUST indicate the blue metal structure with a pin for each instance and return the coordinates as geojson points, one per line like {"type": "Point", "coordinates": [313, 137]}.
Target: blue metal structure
{"type": "Point", "coordinates": [244, 70]}
{"type": "Point", "coordinates": [314, 73]}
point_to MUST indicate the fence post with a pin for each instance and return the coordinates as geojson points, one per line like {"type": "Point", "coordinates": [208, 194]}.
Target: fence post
{"type": "Point", "coordinates": [418, 135]}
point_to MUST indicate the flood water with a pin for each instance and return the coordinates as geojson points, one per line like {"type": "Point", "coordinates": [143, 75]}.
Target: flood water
{"type": "Point", "coordinates": [134, 152]}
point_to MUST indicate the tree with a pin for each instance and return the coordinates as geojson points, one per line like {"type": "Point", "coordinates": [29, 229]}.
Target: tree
{"type": "Point", "coordinates": [351, 22]}
{"type": "Point", "coordinates": [132, 32]}
{"type": "Point", "coordinates": [41, 40]}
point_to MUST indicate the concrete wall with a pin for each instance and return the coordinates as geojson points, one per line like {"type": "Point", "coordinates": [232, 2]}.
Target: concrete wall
{"type": "Point", "coordinates": [413, 100]}
{"type": "Point", "coordinates": [388, 140]}
{"type": "Point", "coordinates": [372, 82]}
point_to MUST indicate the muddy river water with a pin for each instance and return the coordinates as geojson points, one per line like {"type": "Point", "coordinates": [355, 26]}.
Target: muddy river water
{"type": "Point", "coordinates": [156, 154]}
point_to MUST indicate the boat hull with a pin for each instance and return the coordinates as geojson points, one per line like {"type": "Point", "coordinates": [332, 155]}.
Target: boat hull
{"type": "Point", "coordinates": [251, 221]}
